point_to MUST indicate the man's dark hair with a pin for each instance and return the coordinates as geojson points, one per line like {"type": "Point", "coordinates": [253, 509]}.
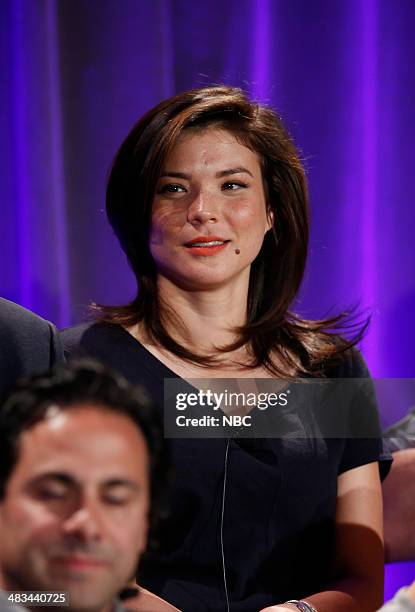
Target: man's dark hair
{"type": "Point", "coordinates": [82, 382]}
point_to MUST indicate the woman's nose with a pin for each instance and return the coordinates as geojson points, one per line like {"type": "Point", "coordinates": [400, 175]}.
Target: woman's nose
{"type": "Point", "coordinates": [203, 209]}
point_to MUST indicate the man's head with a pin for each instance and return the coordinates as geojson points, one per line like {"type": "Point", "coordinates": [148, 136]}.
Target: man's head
{"type": "Point", "coordinates": [78, 449]}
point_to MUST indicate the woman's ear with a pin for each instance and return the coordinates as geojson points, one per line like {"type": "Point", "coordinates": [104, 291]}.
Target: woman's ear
{"type": "Point", "coordinates": [270, 218]}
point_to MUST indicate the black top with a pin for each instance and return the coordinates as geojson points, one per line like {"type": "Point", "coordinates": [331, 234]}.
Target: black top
{"type": "Point", "coordinates": [272, 523]}
{"type": "Point", "coordinates": [28, 344]}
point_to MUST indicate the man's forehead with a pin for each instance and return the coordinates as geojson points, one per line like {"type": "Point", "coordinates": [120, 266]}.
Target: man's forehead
{"type": "Point", "coordinates": [82, 439]}
{"type": "Point", "coordinates": [85, 478]}
{"type": "Point", "coordinates": [88, 420]}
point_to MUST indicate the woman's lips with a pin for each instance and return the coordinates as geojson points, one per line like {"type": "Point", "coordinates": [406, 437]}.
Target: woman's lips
{"type": "Point", "coordinates": [206, 246]}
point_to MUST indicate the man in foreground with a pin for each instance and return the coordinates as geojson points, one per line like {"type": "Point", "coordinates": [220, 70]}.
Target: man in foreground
{"type": "Point", "coordinates": [79, 449]}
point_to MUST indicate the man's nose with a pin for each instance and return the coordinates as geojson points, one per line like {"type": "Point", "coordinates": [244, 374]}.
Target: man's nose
{"type": "Point", "coordinates": [203, 209]}
{"type": "Point", "coordinates": [85, 522]}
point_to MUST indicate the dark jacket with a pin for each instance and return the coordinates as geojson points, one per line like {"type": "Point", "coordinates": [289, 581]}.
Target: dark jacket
{"type": "Point", "coordinates": [28, 344]}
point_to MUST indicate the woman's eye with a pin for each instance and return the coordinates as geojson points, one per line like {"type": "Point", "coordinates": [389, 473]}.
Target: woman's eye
{"type": "Point", "coordinates": [233, 186]}
{"type": "Point", "coordinates": [172, 188]}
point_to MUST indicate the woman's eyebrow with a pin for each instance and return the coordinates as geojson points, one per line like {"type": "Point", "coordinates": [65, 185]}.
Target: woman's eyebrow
{"type": "Point", "coordinates": [238, 170]}
{"type": "Point", "coordinates": [173, 174]}
{"type": "Point", "coordinates": [220, 174]}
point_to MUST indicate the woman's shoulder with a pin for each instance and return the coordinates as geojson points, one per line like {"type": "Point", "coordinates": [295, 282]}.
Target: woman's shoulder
{"type": "Point", "coordinates": [115, 347]}
{"type": "Point", "coordinates": [91, 337]}
{"type": "Point", "coordinates": [348, 364]}
{"type": "Point", "coordinates": [110, 343]}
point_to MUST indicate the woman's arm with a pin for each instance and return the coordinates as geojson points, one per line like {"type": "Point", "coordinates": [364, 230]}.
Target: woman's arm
{"type": "Point", "coordinates": [358, 586]}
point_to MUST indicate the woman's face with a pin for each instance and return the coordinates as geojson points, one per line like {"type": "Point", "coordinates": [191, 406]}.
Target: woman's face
{"type": "Point", "coordinates": [209, 215]}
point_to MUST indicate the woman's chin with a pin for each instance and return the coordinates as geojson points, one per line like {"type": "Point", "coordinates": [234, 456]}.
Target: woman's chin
{"type": "Point", "coordinates": [210, 280]}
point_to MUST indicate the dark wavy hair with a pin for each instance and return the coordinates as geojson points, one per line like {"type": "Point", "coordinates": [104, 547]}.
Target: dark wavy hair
{"type": "Point", "coordinates": [85, 381]}
{"type": "Point", "coordinates": [278, 339]}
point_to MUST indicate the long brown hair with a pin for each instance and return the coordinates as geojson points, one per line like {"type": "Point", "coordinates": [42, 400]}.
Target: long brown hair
{"type": "Point", "coordinates": [277, 338]}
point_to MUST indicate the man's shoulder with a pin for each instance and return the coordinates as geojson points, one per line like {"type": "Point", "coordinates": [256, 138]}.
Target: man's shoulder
{"type": "Point", "coordinates": [28, 344]}
{"type": "Point", "coordinates": [15, 320]}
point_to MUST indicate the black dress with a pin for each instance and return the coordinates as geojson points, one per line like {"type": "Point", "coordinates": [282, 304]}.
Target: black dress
{"type": "Point", "coordinates": [271, 526]}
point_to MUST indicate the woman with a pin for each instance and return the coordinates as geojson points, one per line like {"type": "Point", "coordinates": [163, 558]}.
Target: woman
{"type": "Point", "coordinates": [208, 198]}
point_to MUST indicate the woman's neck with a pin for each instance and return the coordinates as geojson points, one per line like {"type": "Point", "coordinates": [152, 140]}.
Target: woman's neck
{"type": "Point", "coordinates": [203, 321]}
{"type": "Point", "coordinates": [209, 318]}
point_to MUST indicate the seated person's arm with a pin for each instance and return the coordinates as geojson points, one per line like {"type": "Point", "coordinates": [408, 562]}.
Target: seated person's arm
{"type": "Point", "coordinates": [359, 547]}
{"type": "Point", "coordinates": [399, 507]}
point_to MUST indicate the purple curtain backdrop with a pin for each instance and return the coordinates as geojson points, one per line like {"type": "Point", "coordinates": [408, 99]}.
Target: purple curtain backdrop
{"type": "Point", "coordinates": [76, 74]}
